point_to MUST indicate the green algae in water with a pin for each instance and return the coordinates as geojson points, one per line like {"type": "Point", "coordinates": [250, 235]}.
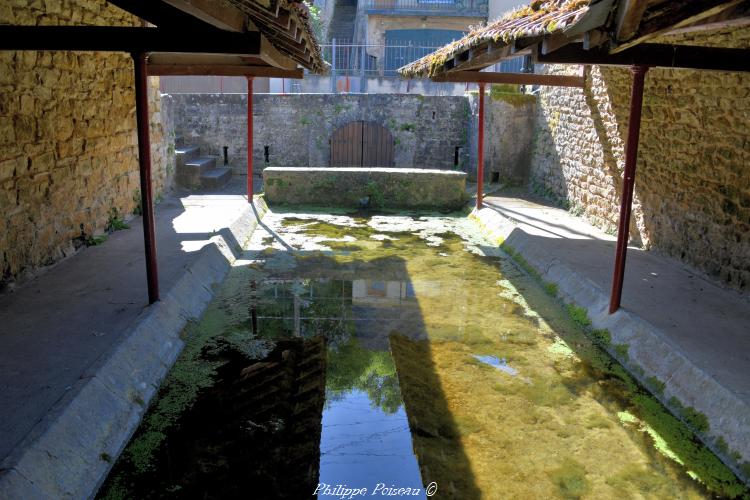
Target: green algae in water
{"type": "Point", "coordinates": [555, 429]}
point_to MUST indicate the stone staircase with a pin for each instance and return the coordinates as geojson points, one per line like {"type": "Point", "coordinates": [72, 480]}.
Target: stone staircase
{"type": "Point", "coordinates": [342, 24]}
{"type": "Point", "coordinates": [198, 172]}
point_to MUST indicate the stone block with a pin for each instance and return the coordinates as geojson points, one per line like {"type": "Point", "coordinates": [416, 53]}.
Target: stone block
{"type": "Point", "coordinates": [373, 187]}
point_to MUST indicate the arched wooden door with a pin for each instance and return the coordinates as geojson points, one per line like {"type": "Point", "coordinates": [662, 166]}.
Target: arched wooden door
{"type": "Point", "coordinates": [362, 144]}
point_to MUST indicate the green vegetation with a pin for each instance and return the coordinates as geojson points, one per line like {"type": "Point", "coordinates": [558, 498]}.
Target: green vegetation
{"type": "Point", "coordinates": [551, 288]}
{"type": "Point", "coordinates": [375, 194]}
{"type": "Point", "coordinates": [510, 94]}
{"type": "Point", "coordinates": [93, 240]}
{"type": "Point", "coordinates": [674, 436]}
{"type": "Point", "coordinates": [602, 337]}
{"type": "Point", "coordinates": [579, 315]}
{"type": "Point", "coordinates": [622, 351]}
{"type": "Point", "coordinates": [316, 20]}
{"type": "Point", "coordinates": [456, 404]}
{"type": "Point", "coordinates": [115, 222]}
{"type": "Point", "coordinates": [570, 479]}
{"type": "Point", "coordinates": [340, 108]}
{"type": "Point", "coordinates": [137, 209]}
{"type": "Point", "coordinates": [354, 367]}
{"type": "Point", "coordinates": [695, 419]}
{"type": "Point", "coordinates": [407, 127]}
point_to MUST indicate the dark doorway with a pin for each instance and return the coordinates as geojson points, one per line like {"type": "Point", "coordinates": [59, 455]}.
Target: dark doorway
{"type": "Point", "coordinates": [362, 144]}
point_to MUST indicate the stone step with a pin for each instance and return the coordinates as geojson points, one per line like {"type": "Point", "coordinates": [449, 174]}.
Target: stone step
{"type": "Point", "coordinates": [189, 174]}
{"type": "Point", "coordinates": [183, 154]}
{"type": "Point", "coordinates": [216, 178]}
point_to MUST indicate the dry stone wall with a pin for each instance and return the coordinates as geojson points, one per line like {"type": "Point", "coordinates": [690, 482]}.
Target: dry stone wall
{"type": "Point", "coordinates": [294, 130]}
{"type": "Point", "coordinates": [508, 132]}
{"type": "Point", "coordinates": [692, 193]}
{"type": "Point", "coordinates": [68, 144]}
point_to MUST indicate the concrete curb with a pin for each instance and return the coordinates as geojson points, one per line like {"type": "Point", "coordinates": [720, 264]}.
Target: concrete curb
{"type": "Point", "coordinates": [650, 352]}
{"type": "Point", "coordinates": [69, 453]}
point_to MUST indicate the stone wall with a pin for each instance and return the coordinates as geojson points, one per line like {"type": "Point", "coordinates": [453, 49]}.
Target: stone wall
{"type": "Point", "coordinates": [692, 193]}
{"type": "Point", "coordinates": [296, 128]}
{"type": "Point", "coordinates": [68, 150]}
{"type": "Point", "coordinates": [366, 187]}
{"type": "Point", "coordinates": [508, 132]}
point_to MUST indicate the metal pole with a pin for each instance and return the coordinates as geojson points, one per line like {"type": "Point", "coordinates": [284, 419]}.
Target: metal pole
{"type": "Point", "coordinates": [333, 65]}
{"type": "Point", "coordinates": [480, 148]}
{"type": "Point", "coordinates": [144, 164]}
{"type": "Point", "coordinates": [363, 63]}
{"type": "Point", "coordinates": [249, 139]}
{"type": "Point", "coordinates": [628, 183]}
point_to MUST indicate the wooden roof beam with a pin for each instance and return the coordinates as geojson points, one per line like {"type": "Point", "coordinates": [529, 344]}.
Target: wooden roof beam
{"type": "Point", "coordinates": [655, 55]}
{"type": "Point", "coordinates": [511, 78]}
{"type": "Point", "coordinates": [222, 70]}
{"type": "Point", "coordinates": [126, 39]}
{"type": "Point", "coordinates": [594, 38]}
{"type": "Point", "coordinates": [713, 24]}
{"type": "Point", "coordinates": [553, 42]}
{"type": "Point", "coordinates": [680, 14]}
{"type": "Point", "coordinates": [274, 57]}
{"type": "Point", "coordinates": [217, 13]}
{"type": "Point", "coordinates": [629, 15]}
{"type": "Point", "coordinates": [160, 14]}
{"type": "Point", "coordinates": [480, 60]}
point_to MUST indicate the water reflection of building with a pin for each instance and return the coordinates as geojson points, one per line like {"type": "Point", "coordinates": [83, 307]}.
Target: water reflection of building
{"type": "Point", "coordinates": [370, 309]}
{"type": "Point", "coordinates": [255, 433]}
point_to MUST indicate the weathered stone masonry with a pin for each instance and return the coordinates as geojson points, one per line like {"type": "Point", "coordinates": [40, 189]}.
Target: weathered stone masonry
{"type": "Point", "coordinates": [296, 129]}
{"type": "Point", "coordinates": [68, 148]}
{"type": "Point", "coordinates": [692, 193]}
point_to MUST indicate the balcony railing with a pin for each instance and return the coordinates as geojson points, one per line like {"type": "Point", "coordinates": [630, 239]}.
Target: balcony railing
{"type": "Point", "coordinates": [349, 59]}
{"type": "Point", "coordinates": [469, 8]}
{"type": "Point", "coordinates": [371, 60]}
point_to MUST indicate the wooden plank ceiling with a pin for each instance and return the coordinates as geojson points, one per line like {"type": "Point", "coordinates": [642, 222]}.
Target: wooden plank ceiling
{"type": "Point", "coordinates": [286, 39]}
{"type": "Point", "coordinates": [590, 32]}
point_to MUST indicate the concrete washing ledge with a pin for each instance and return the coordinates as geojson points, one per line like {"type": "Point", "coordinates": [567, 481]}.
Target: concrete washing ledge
{"type": "Point", "coordinates": [69, 453]}
{"type": "Point", "coordinates": [373, 187]}
{"type": "Point", "coordinates": [664, 340]}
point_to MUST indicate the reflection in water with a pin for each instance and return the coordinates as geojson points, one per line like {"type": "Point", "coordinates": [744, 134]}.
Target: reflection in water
{"type": "Point", "coordinates": [366, 439]}
{"type": "Point", "coordinates": [500, 364]}
{"type": "Point", "coordinates": [363, 445]}
{"type": "Point", "coordinates": [400, 360]}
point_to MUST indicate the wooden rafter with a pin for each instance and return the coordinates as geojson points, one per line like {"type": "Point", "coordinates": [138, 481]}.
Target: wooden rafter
{"type": "Point", "coordinates": [217, 13]}
{"type": "Point", "coordinates": [159, 14]}
{"type": "Point", "coordinates": [512, 78]}
{"type": "Point", "coordinates": [629, 15]}
{"type": "Point", "coordinates": [222, 70]}
{"type": "Point", "coordinates": [676, 15]}
{"type": "Point", "coordinates": [655, 55]}
{"type": "Point", "coordinates": [126, 39]}
{"type": "Point", "coordinates": [479, 58]}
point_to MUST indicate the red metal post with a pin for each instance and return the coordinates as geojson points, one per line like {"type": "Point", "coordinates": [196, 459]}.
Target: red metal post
{"type": "Point", "coordinates": [628, 183]}
{"type": "Point", "coordinates": [249, 139]}
{"type": "Point", "coordinates": [144, 164]}
{"type": "Point", "coordinates": [480, 148]}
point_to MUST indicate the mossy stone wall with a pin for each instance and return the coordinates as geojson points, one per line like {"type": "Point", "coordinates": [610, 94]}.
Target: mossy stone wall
{"type": "Point", "coordinates": [692, 191]}
{"type": "Point", "coordinates": [68, 144]}
{"type": "Point", "coordinates": [366, 187]}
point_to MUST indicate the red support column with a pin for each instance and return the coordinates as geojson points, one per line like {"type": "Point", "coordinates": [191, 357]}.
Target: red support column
{"type": "Point", "coordinates": [249, 139]}
{"type": "Point", "coordinates": [628, 183]}
{"type": "Point", "coordinates": [480, 148]}
{"type": "Point", "coordinates": [144, 164]}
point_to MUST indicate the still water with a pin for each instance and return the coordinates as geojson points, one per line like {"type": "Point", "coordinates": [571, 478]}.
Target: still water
{"type": "Point", "coordinates": [382, 356]}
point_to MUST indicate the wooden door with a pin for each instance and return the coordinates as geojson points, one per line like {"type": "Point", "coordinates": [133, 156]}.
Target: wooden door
{"type": "Point", "coordinates": [362, 144]}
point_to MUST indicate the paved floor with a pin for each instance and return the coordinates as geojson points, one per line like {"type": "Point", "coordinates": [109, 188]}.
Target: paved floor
{"type": "Point", "coordinates": [57, 325]}
{"type": "Point", "coordinates": [707, 322]}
